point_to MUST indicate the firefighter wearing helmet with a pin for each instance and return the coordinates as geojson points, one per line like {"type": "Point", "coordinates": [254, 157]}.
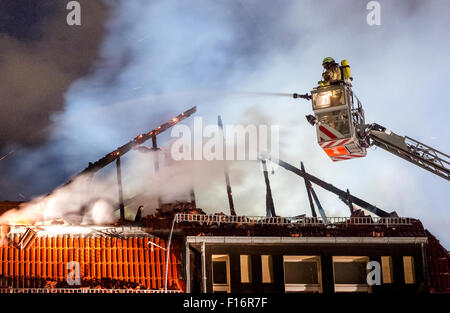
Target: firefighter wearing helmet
{"type": "Point", "coordinates": [332, 72]}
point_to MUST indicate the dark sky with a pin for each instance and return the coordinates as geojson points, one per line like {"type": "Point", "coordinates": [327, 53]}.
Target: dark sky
{"type": "Point", "coordinates": [40, 57]}
{"type": "Point", "coordinates": [20, 19]}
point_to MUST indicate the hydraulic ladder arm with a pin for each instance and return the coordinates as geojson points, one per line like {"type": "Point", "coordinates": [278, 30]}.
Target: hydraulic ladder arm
{"type": "Point", "coordinates": [408, 149]}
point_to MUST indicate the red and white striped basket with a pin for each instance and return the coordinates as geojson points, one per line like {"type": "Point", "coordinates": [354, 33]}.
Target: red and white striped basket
{"type": "Point", "coordinates": [337, 146]}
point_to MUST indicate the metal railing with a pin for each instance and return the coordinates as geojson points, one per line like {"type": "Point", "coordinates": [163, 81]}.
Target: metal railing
{"type": "Point", "coordinates": [81, 290]}
{"type": "Point", "coordinates": [210, 219]}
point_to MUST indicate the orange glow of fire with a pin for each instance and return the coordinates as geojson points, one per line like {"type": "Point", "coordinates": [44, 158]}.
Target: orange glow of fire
{"type": "Point", "coordinates": [20, 220]}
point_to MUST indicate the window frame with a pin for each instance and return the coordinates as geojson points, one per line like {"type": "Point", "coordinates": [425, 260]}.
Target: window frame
{"type": "Point", "coordinates": [270, 268]}
{"type": "Point", "coordinates": [248, 265]}
{"type": "Point", "coordinates": [387, 269]}
{"type": "Point", "coordinates": [410, 269]}
{"type": "Point", "coordinates": [220, 287]}
{"type": "Point", "coordinates": [350, 287]}
{"type": "Point", "coordinates": [303, 287]}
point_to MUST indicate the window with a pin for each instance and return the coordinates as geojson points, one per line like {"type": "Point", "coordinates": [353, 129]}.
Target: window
{"type": "Point", "coordinates": [246, 269]}
{"type": "Point", "coordinates": [350, 274]}
{"type": "Point", "coordinates": [328, 98]}
{"type": "Point", "coordinates": [337, 120]}
{"type": "Point", "coordinates": [408, 268]}
{"type": "Point", "coordinates": [321, 100]}
{"type": "Point", "coordinates": [387, 270]}
{"type": "Point", "coordinates": [221, 273]}
{"type": "Point", "coordinates": [302, 273]}
{"type": "Point", "coordinates": [267, 270]}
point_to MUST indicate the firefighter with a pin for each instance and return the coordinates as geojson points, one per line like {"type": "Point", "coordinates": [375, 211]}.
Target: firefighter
{"type": "Point", "coordinates": [332, 72]}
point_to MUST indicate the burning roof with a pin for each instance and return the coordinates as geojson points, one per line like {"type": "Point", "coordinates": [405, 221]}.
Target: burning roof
{"type": "Point", "coordinates": [108, 257]}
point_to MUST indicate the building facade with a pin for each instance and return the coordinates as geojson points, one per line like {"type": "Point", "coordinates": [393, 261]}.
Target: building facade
{"type": "Point", "coordinates": [197, 253]}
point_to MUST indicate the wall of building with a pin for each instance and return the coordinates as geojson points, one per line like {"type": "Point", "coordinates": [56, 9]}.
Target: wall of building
{"type": "Point", "coordinates": [374, 252]}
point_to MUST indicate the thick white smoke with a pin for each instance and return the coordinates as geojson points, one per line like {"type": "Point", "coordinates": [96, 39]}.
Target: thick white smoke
{"type": "Point", "coordinates": [94, 199]}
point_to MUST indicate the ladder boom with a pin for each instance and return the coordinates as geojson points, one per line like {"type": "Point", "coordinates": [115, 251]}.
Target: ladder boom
{"type": "Point", "coordinates": [413, 151]}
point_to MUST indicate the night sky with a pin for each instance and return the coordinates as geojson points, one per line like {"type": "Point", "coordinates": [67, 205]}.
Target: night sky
{"type": "Point", "coordinates": [71, 94]}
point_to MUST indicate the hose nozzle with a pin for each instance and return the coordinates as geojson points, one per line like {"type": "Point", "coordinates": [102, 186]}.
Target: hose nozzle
{"type": "Point", "coordinates": [305, 96]}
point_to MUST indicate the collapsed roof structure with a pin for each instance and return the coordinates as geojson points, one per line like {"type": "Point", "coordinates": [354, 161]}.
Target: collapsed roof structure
{"type": "Point", "coordinates": [180, 248]}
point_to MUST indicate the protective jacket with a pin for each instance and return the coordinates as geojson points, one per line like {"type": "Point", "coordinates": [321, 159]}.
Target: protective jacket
{"type": "Point", "coordinates": [332, 74]}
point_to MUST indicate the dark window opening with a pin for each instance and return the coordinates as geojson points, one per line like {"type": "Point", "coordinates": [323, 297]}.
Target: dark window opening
{"type": "Point", "coordinates": [301, 273]}
{"type": "Point", "coordinates": [350, 273]}
{"type": "Point", "coordinates": [220, 272]}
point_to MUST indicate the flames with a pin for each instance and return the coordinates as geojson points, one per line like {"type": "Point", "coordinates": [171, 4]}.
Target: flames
{"type": "Point", "coordinates": [24, 215]}
{"type": "Point", "coordinates": [20, 220]}
{"type": "Point", "coordinates": [16, 218]}
{"type": "Point", "coordinates": [4, 230]}
{"type": "Point", "coordinates": [35, 213]}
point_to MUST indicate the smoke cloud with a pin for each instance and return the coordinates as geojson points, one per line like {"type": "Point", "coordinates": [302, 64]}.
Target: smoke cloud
{"type": "Point", "coordinates": [94, 199]}
{"type": "Point", "coordinates": [162, 57]}
{"type": "Point", "coordinates": [41, 57]}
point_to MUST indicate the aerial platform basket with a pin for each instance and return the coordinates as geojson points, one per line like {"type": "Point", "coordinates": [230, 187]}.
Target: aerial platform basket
{"type": "Point", "coordinates": [338, 112]}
